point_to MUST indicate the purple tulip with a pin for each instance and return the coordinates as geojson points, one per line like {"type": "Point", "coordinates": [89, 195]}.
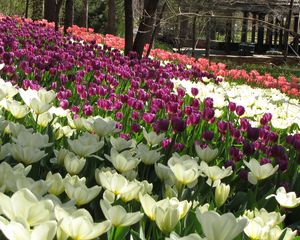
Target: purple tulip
{"type": "Point", "coordinates": [194, 91]}
{"type": "Point", "coordinates": [178, 124]}
{"type": "Point", "coordinates": [248, 148]}
{"type": "Point", "coordinates": [264, 161]}
{"type": "Point", "coordinates": [148, 117]}
{"type": "Point", "coordinates": [229, 163]}
{"type": "Point", "coordinates": [64, 104]}
{"type": "Point", "coordinates": [135, 127]}
{"type": "Point", "coordinates": [244, 175]}
{"type": "Point", "coordinates": [75, 109]}
{"type": "Point", "coordinates": [166, 142]}
{"type": "Point", "coordinates": [296, 144]}
{"type": "Point", "coordinates": [277, 150]}
{"type": "Point", "coordinates": [240, 110]}
{"type": "Point", "coordinates": [232, 106]}
{"type": "Point", "coordinates": [253, 133]}
{"type": "Point", "coordinates": [119, 115]}
{"type": "Point", "coordinates": [222, 127]}
{"type": "Point", "coordinates": [87, 109]}
{"type": "Point", "coordinates": [208, 102]}
{"type": "Point", "coordinates": [207, 135]}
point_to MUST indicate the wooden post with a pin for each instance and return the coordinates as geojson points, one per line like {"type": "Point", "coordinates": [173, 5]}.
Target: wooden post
{"type": "Point", "coordinates": [269, 39]}
{"type": "Point", "coordinates": [296, 30]}
{"type": "Point", "coordinates": [276, 32]}
{"type": "Point", "coordinates": [183, 30]}
{"type": "Point", "coordinates": [228, 35]}
{"type": "Point", "coordinates": [286, 33]}
{"type": "Point", "coordinates": [208, 40]}
{"type": "Point", "coordinates": [254, 22]}
{"type": "Point", "coordinates": [194, 36]}
{"type": "Point", "coordinates": [281, 33]}
{"type": "Point", "coordinates": [245, 27]}
{"type": "Point", "coordinates": [213, 24]}
{"type": "Point", "coordinates": [260, 33]}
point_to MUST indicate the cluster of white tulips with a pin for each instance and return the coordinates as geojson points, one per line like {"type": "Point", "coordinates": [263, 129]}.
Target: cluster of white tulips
{"type": "Point", "coordinates": [257, 101]}
{"type": "Point", "coordinates": [66, 178]}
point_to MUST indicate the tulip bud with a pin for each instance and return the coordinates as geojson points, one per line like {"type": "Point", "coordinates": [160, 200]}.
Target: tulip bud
{"type": "Point", "coordinates": [221, 194]}
{"type": "Point", "coordinates": [231, 106]}
{"type": "Point", "coordinates": [240, 110]}
{"type": "Point", "coordinates": [208, 135]}
{"type": "Point", "coordinates": [194, 91]}
{"type": "Point", "coordinates": [178, 124]}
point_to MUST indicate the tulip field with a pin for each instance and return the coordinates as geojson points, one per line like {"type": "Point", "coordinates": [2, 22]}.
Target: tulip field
{"type": "Point", "coordinates": [98, 145]}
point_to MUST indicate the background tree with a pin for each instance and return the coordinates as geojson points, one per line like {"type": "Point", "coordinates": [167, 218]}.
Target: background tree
{"type": "Point", "coordinates": [26, 8]}
{"type": "Point", "coordinates": [145, 27]}
{"type": "Point", "coordinates": [37, 9]}
{"type": "Point", "coordinates": [84, 16]}
{"type": "Point", "coordinates": [69, 14]}
{"type": "Point", "coordinates": [14, 7]}
{"type": "Point", "coordinates": [97, 18]}
{"type": "Point", "coordinates": [50, 10]}
{"type": "Point", "coordinates": [128, 26]}
{"type": "Point", "coordinates": [111, 17]}
{"type": "Point", "coordinates": [57, 12]}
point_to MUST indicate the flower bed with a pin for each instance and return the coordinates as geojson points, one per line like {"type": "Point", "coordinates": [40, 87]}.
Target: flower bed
{"type": "Point", "coordinates": [219, 69]}
{"type": "Point", "coordinates": [95, 145]}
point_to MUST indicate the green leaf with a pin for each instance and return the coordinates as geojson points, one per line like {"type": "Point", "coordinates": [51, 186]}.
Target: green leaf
{"type": "Point", "coordinates": [120, 233]}
{"type": "Point", "coordinates": [191, 224]}
{"type": "Point", "coordinates": [135, 235]}
{"type": "Point", "coordinates": [240, 199]}
{"type": "Point", "coordinates": [282, 234]}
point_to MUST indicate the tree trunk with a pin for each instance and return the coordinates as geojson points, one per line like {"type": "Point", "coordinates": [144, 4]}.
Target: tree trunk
{"type": "Point", "coordinates": [183, 29]}
{"type": "Point", "coordinates": [208, 39]}
{"type": "Point", "coordinates": [37, 9]}
{"type": "Point", "coordinates": [26, 8]}
{"type": "Point", "coordinates": [194, 36]}
{"type": "Point", "coordinates": [286, 33]}
{"type": "Point", "coordinates": [111, 17]}
{"type": "Point", "coordinates": [50, 10]}
{"type": "Point", "coordinates": [156, 27]}
{"type": "Point", "coordinates": [84, 14]}
{"type": "Point", "coordinates": [128, 26]}
{"type": "Point", "coordinates": [228, 36]}
{"type": "Point", "coordinates": [69, 15]}
{"type": "Point", "coordinates": [145, 28]}
{"type": "Point", "coordinates": [57, 11]}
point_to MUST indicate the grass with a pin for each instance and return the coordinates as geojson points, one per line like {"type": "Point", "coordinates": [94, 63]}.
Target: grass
{"type": "Point", "coordinates": [283, 70]}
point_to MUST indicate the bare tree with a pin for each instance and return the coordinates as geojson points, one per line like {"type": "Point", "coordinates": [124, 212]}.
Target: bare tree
{"type": "Point", "coordinates": [155, 30]}
{"type": "Point", "coordinates": [111, 17]}
{"type": "Point", "coordinates": [37, 9]}
{"type": "Point", "coordinates": [57, 12]}
{"type": "Point", "coordinates": [26, 8]}
{"type": "Point", "coordinates": [128, 26]}
{"type": "Point", "coordinates": [69, 14]}
{"type": "Point", "coordinates": [145, 28]}
{"type": "Point", "coordinates": [84, 14]}
{"type": "Point", "coordinates": [50, 10]}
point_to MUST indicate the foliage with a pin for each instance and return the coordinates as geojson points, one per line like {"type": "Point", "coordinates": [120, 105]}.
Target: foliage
{"type": "Point", "coordinates": [98, 145]}
{"type": "Point", "coordinates": [12, 7]}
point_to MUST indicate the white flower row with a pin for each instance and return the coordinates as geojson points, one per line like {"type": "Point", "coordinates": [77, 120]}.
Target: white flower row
{"type": "Point", "coordinates": [257, 101]}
